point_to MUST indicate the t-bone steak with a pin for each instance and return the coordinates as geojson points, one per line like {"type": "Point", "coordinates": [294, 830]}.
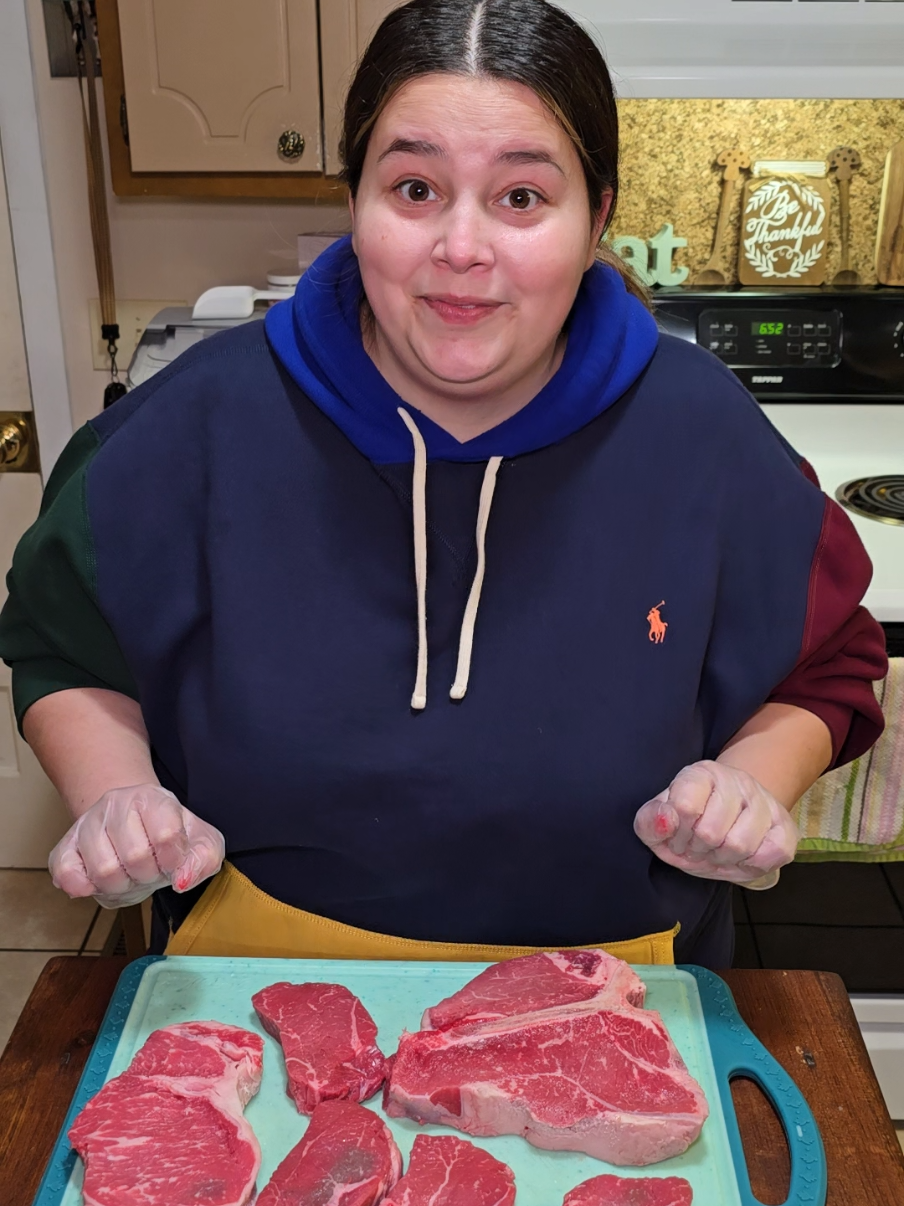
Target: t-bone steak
{"type": "Point", "coordinates": [328, 1040]}
{"type": "Point", "coordinates": [539, 981]}
{"type": "Point", "coordinates": [626, 1191]}
{"type": "Point", "coordinates": [170, 1129]}
{"type": "Point", "coordinates": [585, 1078]}
{"type": "Point", "coordinates": [445, 1171]}
{"type": "Point", "coordinates": [347, 1157]}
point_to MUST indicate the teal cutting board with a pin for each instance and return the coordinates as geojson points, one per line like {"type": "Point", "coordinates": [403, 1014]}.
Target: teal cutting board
{"type": "Point", "coordinates": [696, 1006]}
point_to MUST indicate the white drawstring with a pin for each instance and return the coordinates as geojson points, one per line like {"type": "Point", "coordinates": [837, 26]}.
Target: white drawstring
{"type": "Point", "coordinates": [419, 516]}
{"type": "Point", "coordinates": [469, 620]}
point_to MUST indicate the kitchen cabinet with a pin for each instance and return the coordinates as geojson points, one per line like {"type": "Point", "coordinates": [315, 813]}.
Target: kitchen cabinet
{"type": "Point", "coordinates": [226, 98]}
{"type": "Point", "coordinates": [221, 85]}
{"type": "Point", "coordinates": [346, 27]}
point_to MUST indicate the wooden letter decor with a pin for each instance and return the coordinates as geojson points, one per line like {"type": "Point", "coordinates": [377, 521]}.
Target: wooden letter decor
{"type": "Point", "coordinates": [784, 222]}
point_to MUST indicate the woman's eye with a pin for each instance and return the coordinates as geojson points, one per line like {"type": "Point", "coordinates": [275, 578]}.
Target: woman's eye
{"type": "Point", "coordinates": [415, 190]}
{"type": "Point", "coordinates": [521, 199]}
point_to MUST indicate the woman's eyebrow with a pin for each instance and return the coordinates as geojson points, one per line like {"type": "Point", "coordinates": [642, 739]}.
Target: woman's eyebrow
{"type": "Point", "coordinates": [528, 156]}
{"type": "Point", "coordinates": [412, 146]}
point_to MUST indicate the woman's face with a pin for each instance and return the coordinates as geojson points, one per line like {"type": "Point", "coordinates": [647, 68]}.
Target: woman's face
{"type": "Point", "coordinates": [473, 229]}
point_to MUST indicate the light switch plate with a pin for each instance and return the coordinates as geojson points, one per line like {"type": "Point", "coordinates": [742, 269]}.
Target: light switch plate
{"type": "Point", "coordinates": [133, 318]}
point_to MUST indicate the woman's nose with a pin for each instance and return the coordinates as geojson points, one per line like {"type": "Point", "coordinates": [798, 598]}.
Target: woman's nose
{"type": "Point", "coordinates": [464, 239]}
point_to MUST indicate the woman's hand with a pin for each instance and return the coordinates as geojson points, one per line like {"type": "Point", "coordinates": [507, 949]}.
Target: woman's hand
{"type": "Point", "coordinates": [133, 841]}
{"type": "Point", "coordinates": [718, 822]}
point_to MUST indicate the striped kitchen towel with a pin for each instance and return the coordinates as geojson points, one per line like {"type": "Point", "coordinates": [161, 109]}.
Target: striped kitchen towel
{"type": "Point", "coordinates": [856, 813]}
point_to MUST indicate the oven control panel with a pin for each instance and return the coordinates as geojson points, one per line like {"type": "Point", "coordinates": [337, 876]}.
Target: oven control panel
{"type": "Point", "coordinates": [772, 337]}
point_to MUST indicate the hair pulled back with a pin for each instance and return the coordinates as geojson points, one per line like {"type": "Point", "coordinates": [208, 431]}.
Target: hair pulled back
{"type": "Point", "coordinates": [529, 42]}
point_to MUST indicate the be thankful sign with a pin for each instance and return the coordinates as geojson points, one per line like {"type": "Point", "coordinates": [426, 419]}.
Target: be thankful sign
{"type": "Point", "coordinates": [783, 231]}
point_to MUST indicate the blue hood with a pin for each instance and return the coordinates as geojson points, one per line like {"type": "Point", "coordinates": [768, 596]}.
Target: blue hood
{"type": "Point", "coordinates": [317, 337]}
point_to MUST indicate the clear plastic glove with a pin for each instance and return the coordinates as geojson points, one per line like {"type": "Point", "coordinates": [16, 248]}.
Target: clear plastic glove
{"type": "Point", "coordinates": [717, 822]}
{"type": "Point", "coordinates": [133, 841]}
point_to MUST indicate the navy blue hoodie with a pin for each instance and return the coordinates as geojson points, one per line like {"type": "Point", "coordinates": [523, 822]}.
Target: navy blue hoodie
{"type": "Point", "coordinates": [231, 544]}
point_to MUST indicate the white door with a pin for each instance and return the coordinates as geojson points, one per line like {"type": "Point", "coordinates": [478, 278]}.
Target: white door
{"type": "Point", "coordinates": [32, 816]}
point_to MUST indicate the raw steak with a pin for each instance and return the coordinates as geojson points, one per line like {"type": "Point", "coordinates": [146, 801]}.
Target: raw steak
{"type": "Point", "coordinates": [170, 1129]}
{"type": "Point", "coordinates": [622, 1191]}
{"type": "Point", "coordinates": [347, 1157]}
{"type": "Point", "coordinates": [608, 1082]}
{"type": "Point", "coordinates": [328, 1040]}
{"type": "Point", "coordinates": [229, 1059]}
{"type": "Point", "coordinates": [539, 982]}
{"type": "Point", "coordinates": [445, 1171]}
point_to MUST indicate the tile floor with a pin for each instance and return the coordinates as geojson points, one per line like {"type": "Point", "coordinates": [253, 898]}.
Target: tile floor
{"type": "Point", "coordinates": [36, 922]}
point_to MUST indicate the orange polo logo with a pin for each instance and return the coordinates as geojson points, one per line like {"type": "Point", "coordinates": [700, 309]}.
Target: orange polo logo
{"type": "Point", "coordinates": [657, 624]}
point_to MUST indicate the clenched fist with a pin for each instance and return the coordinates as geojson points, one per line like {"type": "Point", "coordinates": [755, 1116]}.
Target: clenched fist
{"type": "Point", "coordinates": [719, 823]}
{"type": "Point", "coordinates": [133, 841]}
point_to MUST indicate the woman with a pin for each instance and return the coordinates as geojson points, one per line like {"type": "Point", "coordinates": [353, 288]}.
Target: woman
{"type": "Point", "coordinates": [467, 612]}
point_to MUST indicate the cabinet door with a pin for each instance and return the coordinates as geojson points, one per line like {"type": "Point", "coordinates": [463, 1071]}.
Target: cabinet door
{"type": "Point", "coordinates": [212, 85]}
{"type": "Point", "coordinates": [346, 27]}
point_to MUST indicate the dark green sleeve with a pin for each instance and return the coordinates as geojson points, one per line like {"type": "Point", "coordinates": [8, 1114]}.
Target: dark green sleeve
{"type": "Point", "coordinates": [52, 632]}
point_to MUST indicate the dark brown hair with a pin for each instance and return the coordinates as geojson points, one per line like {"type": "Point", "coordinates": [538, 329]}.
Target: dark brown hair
{"type": "Point", "coordinates": [529, 42]}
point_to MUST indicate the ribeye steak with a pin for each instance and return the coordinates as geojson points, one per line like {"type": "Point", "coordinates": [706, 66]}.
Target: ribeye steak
{"type": "Point", "coordinates": [624, 1191]}
{"type": "Point", "coordinates": [445, 1171]}
{"type": "Point", "coordinates": [328, 1040]}
{"type": "Point", "coordinates": [170, 1128]}
{"type": "Point", "coordinates": [608, 1082]}
{"type": "Point", "coordinates": [538, 982]}
{"type": "Point", "coordinates": [347, 1157]}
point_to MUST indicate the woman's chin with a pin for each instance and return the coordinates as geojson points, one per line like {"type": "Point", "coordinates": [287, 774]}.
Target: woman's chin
{"type": "Point", "coordinates": [460, 371]}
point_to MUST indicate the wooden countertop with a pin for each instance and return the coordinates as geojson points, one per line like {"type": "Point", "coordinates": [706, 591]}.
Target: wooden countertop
{"type": "Point", "coordinates": [804, 1018]}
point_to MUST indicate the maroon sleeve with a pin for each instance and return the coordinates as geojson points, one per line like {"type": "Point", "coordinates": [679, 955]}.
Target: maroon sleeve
{"type": "Point", "coordinates": [843, 647]}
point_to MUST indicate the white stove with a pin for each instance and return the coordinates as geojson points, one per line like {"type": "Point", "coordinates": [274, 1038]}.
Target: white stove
{"type": "Point", "coordinates": [827, 366]}
{"type": "Point", "coordinates": [845, 443]}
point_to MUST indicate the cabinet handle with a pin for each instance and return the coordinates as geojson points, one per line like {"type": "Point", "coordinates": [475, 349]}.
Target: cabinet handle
{"type": "Point", "coordinates": [290, 145]}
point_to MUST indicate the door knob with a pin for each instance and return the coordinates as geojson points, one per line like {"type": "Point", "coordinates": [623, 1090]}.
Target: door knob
{"type": "Point", "coordinates": [18, 444]}
{"type": "Point", "coordinates": [290, 145]}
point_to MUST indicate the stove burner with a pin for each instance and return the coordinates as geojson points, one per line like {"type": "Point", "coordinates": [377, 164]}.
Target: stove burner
{"type": "Point", "coordinates": [880, 498]}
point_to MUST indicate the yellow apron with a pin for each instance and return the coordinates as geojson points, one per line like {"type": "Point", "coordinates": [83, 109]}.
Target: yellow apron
{"type": "Point", "coordinates": [235, 918]}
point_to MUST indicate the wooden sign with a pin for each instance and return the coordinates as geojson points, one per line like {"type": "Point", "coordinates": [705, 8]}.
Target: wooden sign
{"type": "Point", "coordinates": [784, 225]}
{"type": "Point", "coordinates": [653, 259]}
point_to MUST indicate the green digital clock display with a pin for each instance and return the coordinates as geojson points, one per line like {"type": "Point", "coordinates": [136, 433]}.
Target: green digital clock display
{"type": "Point", "coordinates": [767, 328]}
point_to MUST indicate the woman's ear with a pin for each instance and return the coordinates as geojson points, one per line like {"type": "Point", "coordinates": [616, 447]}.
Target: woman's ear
{"type": "Point", "coordinates": [351, 210]}
{"type": "Point", "coordinates": [600, 221]}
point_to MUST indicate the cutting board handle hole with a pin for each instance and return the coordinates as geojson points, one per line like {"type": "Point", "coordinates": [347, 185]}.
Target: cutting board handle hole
{"type": "Point", "coordinates": [763, 1137]}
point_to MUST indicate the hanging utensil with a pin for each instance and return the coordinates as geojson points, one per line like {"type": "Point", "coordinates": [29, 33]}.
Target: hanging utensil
{"type": "Point", "coordinates": [890, 242]}
{"type": "Point", "coordinates": [844, 162]}
{"type": "Point", "coordinates": [734, 162]}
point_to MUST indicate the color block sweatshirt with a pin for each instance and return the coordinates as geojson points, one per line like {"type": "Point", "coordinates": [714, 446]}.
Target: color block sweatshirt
{"type": "Point", "coordinates": [232, 545]}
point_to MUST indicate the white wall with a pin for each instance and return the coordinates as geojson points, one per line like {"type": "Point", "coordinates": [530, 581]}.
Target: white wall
{"type": "Point", "coordinates": [722, 48]}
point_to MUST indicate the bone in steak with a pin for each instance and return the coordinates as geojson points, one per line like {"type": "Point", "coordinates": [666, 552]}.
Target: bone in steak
{"type": "Point", "coordinates": [328, 1040]}
{"type": "Point", "coordinates": [347, 1157]}
{"type": "Point", "coordinates": [445, 1171]}
{"type": "Point", "coordinates": [608, 1082]}
{"type": "Point", "coordinates": [170, 1128]}
{"type": "Point", "coordinates": [624, 1191]}
{"type": "Point", "coordinates": [539, 982]}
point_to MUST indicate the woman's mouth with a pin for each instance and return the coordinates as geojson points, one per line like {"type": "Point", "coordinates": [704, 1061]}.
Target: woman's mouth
{"type": "Point", "coordinates": [460, 311]}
